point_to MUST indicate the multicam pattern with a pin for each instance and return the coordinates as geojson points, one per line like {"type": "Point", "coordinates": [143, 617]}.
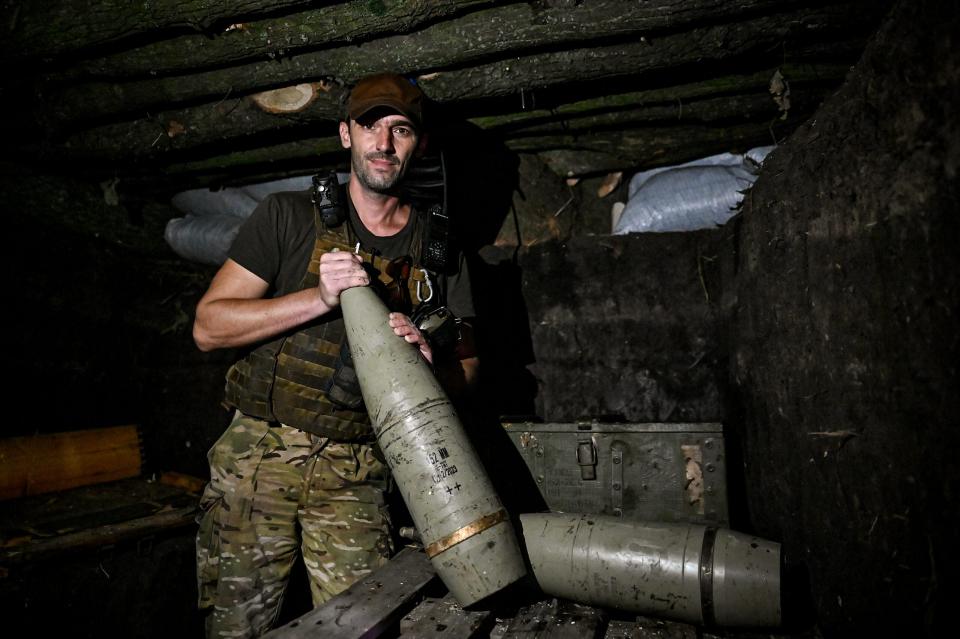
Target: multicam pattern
{"type": "Point", "coordinates": [276, 492]}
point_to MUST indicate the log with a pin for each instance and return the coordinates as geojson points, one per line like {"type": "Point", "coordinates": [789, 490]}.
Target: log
{"type": "Point", "coordinates": [587, 153]}
{"type": "Point", "coordinates": [614, 141]}
{"type": "Point", "coordinates": [50, 29]}
{"type": "Point", "coordinates": [475, 37]}
{"type": "Point", "coordinates": [761, 40]}
{"type": "Point", "coordinates": [639, 145]}
{"type": "Point", "coordinates": [308, 149]}
{"type": "Point", "coordinates": [812, 75]}
{"type": "Point", "coordinates": [352, 22]}
{"type": "Point", "coordinates": [208, 126]}
{"type": "Point", "coordinates": [734, 108]}
{"type": "Point", "coordinates": [47, 463]}
{"type": "Point", "coordinates": [577, 151]}
{"type": "Point", "coordinates": [346, 23]}
{"type": "Point", "coordinates": [621, 149]}
{"type": "Point", "coordinates": [217, 125]}
{"type": "Point", "coordinates": [598, 153]}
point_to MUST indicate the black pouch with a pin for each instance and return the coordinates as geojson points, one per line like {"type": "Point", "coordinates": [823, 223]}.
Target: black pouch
{"type": "Point", "coordinates": [343, 388]}
{"type": "Point", "coordinates": [439, 325]}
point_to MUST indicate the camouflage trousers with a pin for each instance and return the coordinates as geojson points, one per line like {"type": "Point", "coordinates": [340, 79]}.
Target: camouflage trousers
{"type": "Point", "coordinates": [276, 493]}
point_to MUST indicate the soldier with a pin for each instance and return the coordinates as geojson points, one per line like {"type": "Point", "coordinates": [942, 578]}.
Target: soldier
{"type": "Point", "coordinates": [297, 471]}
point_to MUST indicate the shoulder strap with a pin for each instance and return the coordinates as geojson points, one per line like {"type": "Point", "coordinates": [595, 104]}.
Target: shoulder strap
{"type": "Point", "coordinates": [426, 186]}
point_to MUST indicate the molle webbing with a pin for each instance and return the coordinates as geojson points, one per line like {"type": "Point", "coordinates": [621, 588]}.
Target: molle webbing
{"type": "Point", "coordinates": [328, 241]}
{"type": "Point", "coordinates": [285, 380]}
{"type": "Point", "coordinates": [305, 363]}
{"type": "Point", "coordinates": [250, 381]}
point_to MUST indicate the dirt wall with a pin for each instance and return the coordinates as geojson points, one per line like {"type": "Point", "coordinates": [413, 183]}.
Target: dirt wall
{"type": "Point", "coordinates": [845, 334]}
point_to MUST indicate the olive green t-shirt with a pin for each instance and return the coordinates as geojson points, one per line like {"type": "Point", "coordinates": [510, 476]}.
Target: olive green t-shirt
{"type": "Point", "coordinates": [275, 244]}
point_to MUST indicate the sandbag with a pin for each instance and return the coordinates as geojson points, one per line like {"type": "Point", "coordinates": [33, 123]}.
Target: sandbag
{"type": "Point", "coordinates": [213, 218]}
{"type": "Point", "coordinates": [701, 194]}
{"type": "Point", "coordinates": [203, 238]}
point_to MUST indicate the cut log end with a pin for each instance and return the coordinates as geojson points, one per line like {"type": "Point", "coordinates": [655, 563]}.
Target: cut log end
{"type": "Point", "coordinates": [288, 99]}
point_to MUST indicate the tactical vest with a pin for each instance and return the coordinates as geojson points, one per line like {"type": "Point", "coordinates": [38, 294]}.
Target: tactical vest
{"type": "Point", "coordinates": [284, 380]}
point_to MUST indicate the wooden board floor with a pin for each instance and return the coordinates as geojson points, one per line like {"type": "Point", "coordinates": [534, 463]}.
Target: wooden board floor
{"type": "Point", "coordinates": [405, 599]}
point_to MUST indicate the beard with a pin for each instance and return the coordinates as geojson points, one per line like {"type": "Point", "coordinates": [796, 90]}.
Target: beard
{"type": "Point", "coordinates": [377, 181]}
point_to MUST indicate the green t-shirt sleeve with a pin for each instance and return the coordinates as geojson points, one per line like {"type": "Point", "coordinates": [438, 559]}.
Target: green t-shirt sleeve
{"type": "Point", "coordinates": [257, 245]}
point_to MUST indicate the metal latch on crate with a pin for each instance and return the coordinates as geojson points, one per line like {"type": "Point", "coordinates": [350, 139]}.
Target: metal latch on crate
{"type": "Point", "coordinates": [587, 459]}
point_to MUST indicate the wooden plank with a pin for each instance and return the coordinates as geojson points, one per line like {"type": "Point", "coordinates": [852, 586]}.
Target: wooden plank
{"type": "Point", "coordinates": [57, 461]}
{"type": "Point", "coordinates": [556, 620]}
{"type": "Point", "coordinates": [45, 526]}
{"type": "Point", "coordinates": [530, 619]}
{"type": "Point", "coordinates": [499, 629]}
{"type": "Point", "coordinates": [371, 606]}
{"type": "Point", "coordinates": [444, 618]}
{"type": "Point", "coordinates": [617, 629]}
{"type": "Point", "coordinates": [648, 628]}
{"type": "Point", "coordinates": [33, 550]}
{"type": "Point", "coordinates": [645, 628]}
{"type": "Point", "coordinates": [426, 612]}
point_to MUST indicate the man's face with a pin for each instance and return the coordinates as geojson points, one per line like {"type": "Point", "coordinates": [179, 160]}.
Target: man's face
{"type": "Point", "coordinates": [381, 145]}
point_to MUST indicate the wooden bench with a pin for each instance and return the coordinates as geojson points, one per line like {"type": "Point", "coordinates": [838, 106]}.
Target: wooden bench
{"type": "Point", "coordinates": [75, 490]}
{"type": "Point", "coordinates": [42, 526]}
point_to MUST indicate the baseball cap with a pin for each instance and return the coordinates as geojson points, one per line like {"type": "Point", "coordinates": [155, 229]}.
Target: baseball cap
{"type": "Point", "coordinates": [386, 90]}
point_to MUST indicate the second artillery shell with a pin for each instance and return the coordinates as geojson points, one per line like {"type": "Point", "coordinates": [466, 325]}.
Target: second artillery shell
{"type": "Point", "coordinates": [692, 573]}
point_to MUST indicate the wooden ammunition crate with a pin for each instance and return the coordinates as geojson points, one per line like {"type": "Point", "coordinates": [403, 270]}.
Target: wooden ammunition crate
{"type": "Point", "coordinates": [641, 472]}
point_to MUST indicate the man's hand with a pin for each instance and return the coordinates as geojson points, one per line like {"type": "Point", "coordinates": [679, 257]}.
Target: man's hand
{"type": "Point", "coordinates": [339, 271]}
{"type": "Point", "coordinates": [403, 327]}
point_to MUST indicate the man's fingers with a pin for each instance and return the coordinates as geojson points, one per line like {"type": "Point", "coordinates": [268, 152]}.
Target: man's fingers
{"type": "Point", "coordinates": [397, 320]}
{"type": "Point", "coordinates": [348, 264]}
{"type": "Point", "coordinates": [403, 327]}
{"type": "Point", "coordinates": [405, 330]}
{"type": "Point", "coordinates": [341, 267]}
{"type": "Point", "coordinates": [357, 280]}
{"type": "Point", "coordinates": [340, 270]}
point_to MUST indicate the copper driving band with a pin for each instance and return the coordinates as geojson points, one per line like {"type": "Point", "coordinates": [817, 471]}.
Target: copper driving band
{"type": "Point", "coordinates": [468, 531]}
